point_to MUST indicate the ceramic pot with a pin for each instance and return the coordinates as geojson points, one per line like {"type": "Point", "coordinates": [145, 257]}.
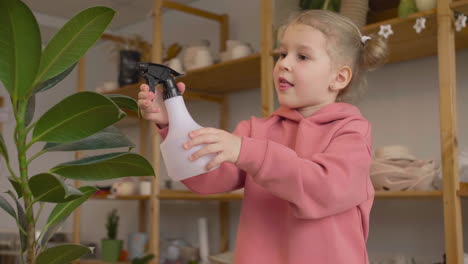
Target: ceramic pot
{"type": "Point", "coordinates": [197, 55]}
{"type": "Point", "coordinates": [424, 5]}
{"type": "Point", "coordinates": [111, 249]}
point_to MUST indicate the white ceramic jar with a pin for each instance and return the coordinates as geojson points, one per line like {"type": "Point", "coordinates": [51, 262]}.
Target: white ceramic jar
{"type": "Point", "coordinates": [424, 5]}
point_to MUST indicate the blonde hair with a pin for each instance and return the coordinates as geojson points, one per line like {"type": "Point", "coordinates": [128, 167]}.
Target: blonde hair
{"type": "Point", "coordinates": [346, 47]}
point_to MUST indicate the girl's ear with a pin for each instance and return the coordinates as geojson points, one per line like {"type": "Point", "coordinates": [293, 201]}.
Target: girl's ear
{"type": "Point", "coordinates": [342, 78]}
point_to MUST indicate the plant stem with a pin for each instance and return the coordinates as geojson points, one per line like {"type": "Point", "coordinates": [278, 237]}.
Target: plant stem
{"type": "Point", "coordinates": [31, 126]}
{"type": "Point", "coordinates": [11, 170]}
{"type": "Point", "coordinates": [21, 133]}
{"type": "Point", "coordinates": [36, 155]}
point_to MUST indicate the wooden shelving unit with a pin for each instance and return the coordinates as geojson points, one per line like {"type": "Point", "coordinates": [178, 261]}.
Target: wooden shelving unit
{"type": "Point", "coordinates": [463, 191]}
{"type": "Point", "coordinates": [211, 83]}
{"type": "Point", "coordinates": [406, 44]}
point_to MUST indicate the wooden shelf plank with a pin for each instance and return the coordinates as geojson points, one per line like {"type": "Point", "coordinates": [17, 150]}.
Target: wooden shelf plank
{"type": "Point", "coordinates": [408, 195]}
{"type": "Point", "coordinates": [172, 195]}
{"type": "Point", "coordinates": [460, 6]}
{"type": "Point", "coordinates": [119, 197]}
{"type": "Point", "coordinates": [97, 261]}
{"type": "Point", "coordinates": [229, 76]}
{"type": "Point", "coordinates": [463, 191]}
{"type": "Point", "coordinates": [188, 195]}
{"type": "Point", "coordinates": [405, 44]}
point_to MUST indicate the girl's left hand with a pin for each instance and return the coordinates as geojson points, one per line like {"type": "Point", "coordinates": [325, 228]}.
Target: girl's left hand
{"type": "Point", "coordinates": [226, 145]}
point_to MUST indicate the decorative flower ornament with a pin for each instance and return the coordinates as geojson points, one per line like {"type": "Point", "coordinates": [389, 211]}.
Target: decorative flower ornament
{"type": "Point", "coordinates": [460, 23]}
{"type": "Point", "coordinates": [385, 30]}
{"type": "Point", "coordinates": [420, 24]}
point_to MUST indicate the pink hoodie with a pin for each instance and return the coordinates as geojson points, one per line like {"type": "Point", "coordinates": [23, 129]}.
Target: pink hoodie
{"type": "Point", "coordinates": [307, 195]}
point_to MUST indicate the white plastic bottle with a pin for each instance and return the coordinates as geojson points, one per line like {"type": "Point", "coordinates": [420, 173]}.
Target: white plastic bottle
{"type": "Point", "coordinates": [176, 158]}
{"type": "Point", "coordinates": [181, 123]}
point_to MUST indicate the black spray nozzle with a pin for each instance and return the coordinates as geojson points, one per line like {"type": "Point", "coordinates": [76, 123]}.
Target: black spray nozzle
{"type": "Point", "coordinates": [157, 73]}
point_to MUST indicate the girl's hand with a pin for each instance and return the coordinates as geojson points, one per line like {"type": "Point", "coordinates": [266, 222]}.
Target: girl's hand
{"type": "Point", "coordinates": [226, 145]}
{"type": "Point", "coordinates": [152, 105]}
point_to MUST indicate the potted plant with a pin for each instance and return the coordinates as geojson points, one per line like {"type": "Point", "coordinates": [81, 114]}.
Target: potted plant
{"type": "Point", "coordinates": [81, 121]}
{"type": "Point", "coordinates": [143, 260]}
{"type": "Point", "coordinates": [111, 246]}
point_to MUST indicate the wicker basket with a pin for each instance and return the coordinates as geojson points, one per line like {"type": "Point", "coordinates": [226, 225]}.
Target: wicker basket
{"type": "Point", "coordinates": [356, 10]}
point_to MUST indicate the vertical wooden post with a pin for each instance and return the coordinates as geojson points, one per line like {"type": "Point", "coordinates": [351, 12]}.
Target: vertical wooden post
{"type": "Point", "coordinates": [266, 63]}
{"type": "Point", "coordinates": [142, 226]}
{"type": "Point", "coordinates": [224, 205]}
{"type": "Point", "coordinates": [448, 133]}
{"type": "Point", "coordinates": [78, 155]}
{"type": "Point", "coordinates": [224, 24]}
{"type": "Point", "coordinates": [224, 225]}
{"type": "Point", "coordinates": [156, 56]}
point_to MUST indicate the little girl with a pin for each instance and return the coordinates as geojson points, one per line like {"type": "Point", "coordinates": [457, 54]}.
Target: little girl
{"type": "Point", "coordinates": [305, 168]}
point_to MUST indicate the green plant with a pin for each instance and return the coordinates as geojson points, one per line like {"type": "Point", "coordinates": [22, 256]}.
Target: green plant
{"type": "Point", "coordinates": [142, 260]}
{"type": "Point", "coordinates": [406, 8]}
{"type": "Point", "coordinates": [82, 121]}
{"type": "Point", "coordinates": [112, 225]}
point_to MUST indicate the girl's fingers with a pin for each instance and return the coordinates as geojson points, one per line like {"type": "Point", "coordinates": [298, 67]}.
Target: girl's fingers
{"type": "Point", "coordinates": [211, 148]}
{"type": "Point", "coordinates": [181, 87]}
{"type": "Point", "coordinates": [201, 131]}
{"type": "Point", "coordinates": [201, 139]}
{"type": "Point", "coordinates": [217, 160]}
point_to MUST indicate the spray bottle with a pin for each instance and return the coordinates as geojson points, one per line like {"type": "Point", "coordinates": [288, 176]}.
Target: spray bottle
{"type": "Point", "coordinates": [181, 123]}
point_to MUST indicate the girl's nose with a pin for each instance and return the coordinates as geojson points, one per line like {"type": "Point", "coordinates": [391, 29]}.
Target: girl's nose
{"type": "Point", "coordinates": [284, 64]}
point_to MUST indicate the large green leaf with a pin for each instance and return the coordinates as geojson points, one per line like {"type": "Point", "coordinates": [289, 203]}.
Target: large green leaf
{"type": "Point", "coordinates": [24, 224]}
{"type": "Point", "coordinates": [16, 185]}
{"type": "Point", "coordinates": [124, 102]}
{"type": "Point", "coordinates": [30, 109]}
{"type": "Point", "coordinates": [61, 254]}
{"type": "Point", "coordinates": [49, 188]}
{"type": "Point", "coordinates": [51, 231]}
{"type": "Point", "coordinates": [73, 40]}
{"type": "Point", "coordinates": [20, 47]}
{"type": "Point", "coordinates": [77, 116]}
{"type": "Point", "coordinates": [46, 85]}
{"type": "Point", "coordinates": [21, 220]}
{"type": "Point", "coordinates": [5, 205]}
{"type": "Point", "coordinates": [104, 167]}
{"type": "Point", "coordinates": [63, 210]}
{"type": "Point", "coordinates": [3, 148]}
{"type": "Point", "coordinates": [110, 137]}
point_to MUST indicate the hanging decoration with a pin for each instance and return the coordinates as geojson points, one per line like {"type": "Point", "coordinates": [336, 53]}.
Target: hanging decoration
{"type": "Point", "coordinates": [420, 24]}
{"type": "Point", "coordinates": [460, 22]}
{"type": "Point", "coordinates": [385, 30]}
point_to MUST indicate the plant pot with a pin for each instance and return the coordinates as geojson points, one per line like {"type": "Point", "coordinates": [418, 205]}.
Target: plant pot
{"type": "Point", "coordinates": [424, 5]}
{"type": "Point", "coordinates": [128, 67]}
{"type": "Point", "coordinates": [111, 249]}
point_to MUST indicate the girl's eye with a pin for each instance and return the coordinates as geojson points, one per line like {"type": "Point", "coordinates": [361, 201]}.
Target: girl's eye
{"type": "Point", "coordinates": [283, 55]}
{"type": "Point", "coordinates": [302, 57]}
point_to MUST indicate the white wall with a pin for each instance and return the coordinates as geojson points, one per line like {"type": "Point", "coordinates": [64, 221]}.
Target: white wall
{"type": "Point", "coordinates": [402, 105]}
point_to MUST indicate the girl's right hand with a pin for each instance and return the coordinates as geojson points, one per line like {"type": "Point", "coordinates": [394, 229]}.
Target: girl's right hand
{"type": "Point", "coordinates": [152, 105]}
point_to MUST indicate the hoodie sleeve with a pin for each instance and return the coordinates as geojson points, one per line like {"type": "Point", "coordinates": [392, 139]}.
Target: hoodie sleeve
{"type": "Point", "coordinates": [323, 184]}
{"type": "Point", "coordinates": [226, 178]}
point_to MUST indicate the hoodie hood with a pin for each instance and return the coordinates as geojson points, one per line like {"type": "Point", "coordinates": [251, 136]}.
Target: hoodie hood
{"type": "Point", "coordinates": [326, 114]}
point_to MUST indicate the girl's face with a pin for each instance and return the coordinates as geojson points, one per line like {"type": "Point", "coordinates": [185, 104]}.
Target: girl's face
{"type": "Point", "coordinates": [304, 75]}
